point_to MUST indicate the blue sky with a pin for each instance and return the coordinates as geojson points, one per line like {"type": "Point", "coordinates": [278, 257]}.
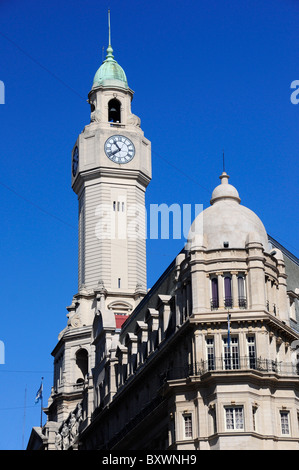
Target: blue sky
{"type": "Point", "coordinates": [207, 75]}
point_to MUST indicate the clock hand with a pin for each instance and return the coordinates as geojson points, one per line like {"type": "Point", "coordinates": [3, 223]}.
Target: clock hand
{"type": "Point", "coordinates": [115, 143]}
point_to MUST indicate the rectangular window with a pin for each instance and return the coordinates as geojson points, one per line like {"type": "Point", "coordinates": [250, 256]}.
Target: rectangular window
{"type": "Point", "coordinates": [210, 353]}
{"type": "Point", "coordinates": [284, 420]}
{"type": "Point", "coordinates": [234, 418]}
{"type": "Point", "coordinates": [251, 352]}
{"type": "Point", "coordinates": [231, 353]}
{"type": "Point", "coordinates": [212, 413]}
{"type": "Point", "coordinates": [254, 409]}
{"type": "Point", "coordinates": [228, 300]}
{"type": "Point", "coordinates": [241, 292]}
{"type": "Point", "coordinates": [215, 299]}
{"type": "Point", "coordinates": [188, 426]}
{"type": "Point", "coordinates": [292, 309]}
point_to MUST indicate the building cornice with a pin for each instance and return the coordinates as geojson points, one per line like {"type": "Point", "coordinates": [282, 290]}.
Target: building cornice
{"type": "Point", "coordinates": [82, 332]}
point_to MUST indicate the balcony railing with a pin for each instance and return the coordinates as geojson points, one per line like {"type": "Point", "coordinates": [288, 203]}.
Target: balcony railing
{"type": "Point", "coordinates": [232, 363]}
{"type": "Point", "coordinates": [214, 304]}
{"type": "Point", "coordinates": [242, 302]}
{"type": "Point", "coordinates": [228, 303]}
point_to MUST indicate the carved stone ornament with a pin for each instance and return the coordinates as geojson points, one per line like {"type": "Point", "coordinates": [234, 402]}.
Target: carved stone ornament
{"type": "Point", "coordinates": [95, 116]}
{"type": "Point", "coordinates": [67, 435]}
{"type": "Point", "coordinates": [76, 321]}
{"type": "Point", "coordinates": [134, 120]}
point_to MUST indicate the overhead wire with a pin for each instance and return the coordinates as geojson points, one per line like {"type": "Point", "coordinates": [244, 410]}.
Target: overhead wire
{"type": "Point", "coordinates": [56, 77]}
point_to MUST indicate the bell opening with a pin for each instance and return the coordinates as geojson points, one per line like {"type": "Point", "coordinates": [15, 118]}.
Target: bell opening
{"type": "Point", "coordinates": [114, 111]}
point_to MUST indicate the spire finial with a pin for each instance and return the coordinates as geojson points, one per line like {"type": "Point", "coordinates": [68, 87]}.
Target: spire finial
{"type": "Point", "coordinates": [109, 28]}
{"type": "Point", "coordinates": [224, 176]}
{"type": "Point", "coordinates": [109, 55]}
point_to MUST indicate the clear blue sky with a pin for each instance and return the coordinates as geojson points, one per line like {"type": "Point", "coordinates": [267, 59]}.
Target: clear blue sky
{"type": "Point", "coordinates": [207, 76]}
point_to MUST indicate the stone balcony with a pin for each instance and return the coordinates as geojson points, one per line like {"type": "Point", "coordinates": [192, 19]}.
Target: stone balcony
{"type": "Point", "coordinates": [232, 364]}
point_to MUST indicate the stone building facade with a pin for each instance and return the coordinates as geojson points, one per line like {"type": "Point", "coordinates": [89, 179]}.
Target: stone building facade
{"type": "Point", "coordinates": [207, 358]}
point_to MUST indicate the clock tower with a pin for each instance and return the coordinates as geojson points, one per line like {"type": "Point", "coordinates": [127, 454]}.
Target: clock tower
{"type": "Point", "coordinates": [111, 168]}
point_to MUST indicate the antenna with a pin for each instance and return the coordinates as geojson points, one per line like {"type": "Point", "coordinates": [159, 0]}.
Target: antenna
{"type": "Point", "coordinates": [223, 162]}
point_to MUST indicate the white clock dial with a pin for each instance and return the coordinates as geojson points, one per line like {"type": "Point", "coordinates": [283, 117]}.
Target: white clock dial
{"type": "Point", "coordinates": [119, 149]}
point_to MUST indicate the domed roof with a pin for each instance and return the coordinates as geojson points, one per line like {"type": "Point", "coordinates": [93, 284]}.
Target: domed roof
{"type": "Point", "coordinates": [226, 223]}
{"type": "Point", "coordinates": [110, 73]}
{"type": "Point", "coordinates": [225, 190]}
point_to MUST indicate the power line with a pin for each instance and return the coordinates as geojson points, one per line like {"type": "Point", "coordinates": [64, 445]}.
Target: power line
{"type": "Point", "coordinates": [78, 94]}
{"type": "Point", "coordinates": [35, 205]}
{"type": "Point", "coordinates": [41, 65]}
{"type": "Point", "coordinates": [26, 371]}
{"type": "Point", "coordinates": [181, 172]}
{"type": "Point", "coordinates": [16, 408]}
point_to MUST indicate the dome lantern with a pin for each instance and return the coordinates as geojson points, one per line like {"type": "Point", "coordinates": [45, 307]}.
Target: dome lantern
{"type": "Point", "coordinates": [225, 190]}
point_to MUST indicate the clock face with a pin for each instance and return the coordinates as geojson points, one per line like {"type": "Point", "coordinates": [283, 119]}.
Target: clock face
{"type": "Point", "coordinates": [119, 149]}
{"type": "Point", "coordinates": [75, 160]}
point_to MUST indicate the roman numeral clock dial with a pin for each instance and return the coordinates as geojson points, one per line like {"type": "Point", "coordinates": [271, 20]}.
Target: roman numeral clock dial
{"type": "Point", "coordinates": [119, 149]}
{"type": "Point", "coordinates": [75, 162]}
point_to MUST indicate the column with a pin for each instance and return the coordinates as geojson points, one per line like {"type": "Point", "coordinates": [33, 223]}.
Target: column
{"type": "Point", "coordinates": [235, 292]}
{"type": "Point", "coordinates": [220, 289]}
{"type": "Point", "coordinates": [256, 276]}
{"type": "Point", "coordinates": [199, 283]}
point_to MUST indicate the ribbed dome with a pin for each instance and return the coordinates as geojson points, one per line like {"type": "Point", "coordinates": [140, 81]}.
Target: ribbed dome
{"type": "Point", "coordinates": [226, 223]}
{"type": "Point", "coordinates": [110, 73]}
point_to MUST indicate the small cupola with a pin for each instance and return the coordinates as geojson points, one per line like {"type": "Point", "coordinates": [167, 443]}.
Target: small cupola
{"type": "Point", "coordinates": [110, 73]}
{"type": "Point", "coordinates": [225, 190]}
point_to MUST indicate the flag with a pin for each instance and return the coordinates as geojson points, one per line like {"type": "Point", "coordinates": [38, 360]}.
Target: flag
{"type": "Point", "coordinates": [39, 394]}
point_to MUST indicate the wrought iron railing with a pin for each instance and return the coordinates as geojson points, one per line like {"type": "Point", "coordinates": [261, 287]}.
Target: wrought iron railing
{"type": "Point", "coordinates": [229, 303]}
{"type": "Point", "coordinates": [214, 304]}
{"type": "Point", "coordinates": [242, 302]}
{"type": "Point", "coordinates": [233, 363]}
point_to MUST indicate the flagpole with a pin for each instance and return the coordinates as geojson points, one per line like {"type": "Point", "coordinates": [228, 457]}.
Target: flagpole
{"type": "Point", "coordinates": [39, 397]}
{"type": "Point", "coordinates": [41, 413]}
{"type": "Point", "coordinates": [41, 406]}
{"type": "Point", "coordinates": [24, 418]}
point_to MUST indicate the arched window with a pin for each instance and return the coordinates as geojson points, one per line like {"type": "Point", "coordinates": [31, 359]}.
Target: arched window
{"type": "Point", "coordinates": [114, 111]}
{"type": "Point", "coordinates": [82, 365]}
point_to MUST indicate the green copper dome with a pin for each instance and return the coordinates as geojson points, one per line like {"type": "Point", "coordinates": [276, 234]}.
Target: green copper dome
{"type": "Point", "coordinates": [110, 73]}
